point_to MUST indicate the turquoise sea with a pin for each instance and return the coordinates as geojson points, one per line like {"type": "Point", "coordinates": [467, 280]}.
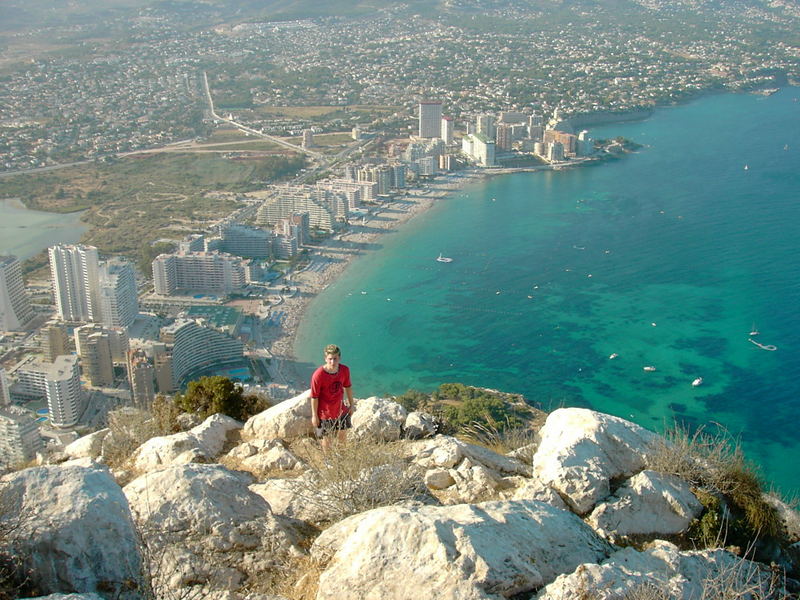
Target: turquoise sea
{"type": "Point", "coordinates": [668, 257]}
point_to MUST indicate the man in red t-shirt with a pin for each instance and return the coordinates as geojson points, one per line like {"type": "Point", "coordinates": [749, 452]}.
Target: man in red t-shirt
{"type": "Point", "coordinates": [330, 410]}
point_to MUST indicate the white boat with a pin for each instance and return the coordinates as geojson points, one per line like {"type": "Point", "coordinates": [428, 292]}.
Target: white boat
{"type": "Point", "coordinates": [613, 356]}
{"type": "Point", "coordinates": [649, 368]}
{"type": "Point", "coordinates": [698, 381]}
{"type": "Point", "coordinates": [443, 259]}
{"type": "Point", "coordinates": [753, 330]}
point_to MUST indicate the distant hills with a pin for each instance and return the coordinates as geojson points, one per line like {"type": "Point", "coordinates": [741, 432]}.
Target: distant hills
{"type": "Point", "coordinates": [21, 15]}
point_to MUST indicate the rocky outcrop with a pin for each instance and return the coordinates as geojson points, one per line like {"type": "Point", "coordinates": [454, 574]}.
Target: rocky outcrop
{"type": "Point", "coordinates": [262, 456]}
{"type": "Point", "coordinates": [469, 552]}
{"type": "Point", "coordinates": [648, 504]}
{"type": "Point", "coordinates": [204, 527]}
{"type": "Point", "coordinates": [582, 451]}
{"type": "Point", "coordinates": [73, 529]}
{"type": "Point", "coordinates": [88, 446]}
{"type": "Point", "coordinates": [287, 420]}
{"type": "Point", "coordinates": [378, 419]}
{"type": "Point", "coordinates": [665, 569]}
{"type": "Point", "coordinates": [203, 443]}
{"type": "Point", "coordinates": [419, 425]}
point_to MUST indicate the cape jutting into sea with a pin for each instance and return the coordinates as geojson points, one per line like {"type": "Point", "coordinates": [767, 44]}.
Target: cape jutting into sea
{"type": "Point", "coordinates": [682, 257]}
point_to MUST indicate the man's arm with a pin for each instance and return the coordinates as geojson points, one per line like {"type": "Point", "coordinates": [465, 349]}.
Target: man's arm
{"type": "Point", "coordinates": [349, 392]}
{"type": "Point", "coordinates": [315, 412]}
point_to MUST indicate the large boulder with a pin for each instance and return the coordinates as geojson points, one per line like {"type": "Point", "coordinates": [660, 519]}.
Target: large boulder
{"type": "Point", "coordinates": [88, 446]}
{"type": "Point", "coordinates": [203, 443]}
{"type": "Point", "coordinates": [73, 530]}
{"type": "Point", "coordinates": [286, 420]}
{"type": "Point", "coordinates": [378, 419]}
{"type": "Point", "coordinates": [666, 570]}
{"type": "Point", "coordinates": [204, 527]}
{"type": "Point", "coordinates": [466, 552]}
{"type": "Point", "coordinates": [263, 456]}
{"type": "Point", "coordinates": [649, 503]}
{"type": "Point", "coordinates": [581, 451]}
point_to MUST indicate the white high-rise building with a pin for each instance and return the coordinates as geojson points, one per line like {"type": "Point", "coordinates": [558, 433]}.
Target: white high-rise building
{"type": "Point", "coordinates": [430, 119]}
{"type": "Point", "coordinates": [15, 307]}
{"type": "Point", "coordinates": [197, 348]}
{"type": "Point", "coordinates": [5, 395]}
{"type": "Point", "coordinates": [74, 274]}
{"type": "Point", "coordinates": [212, 272]}
{"type": "Point", "coordinates": [60, 383]}
{"type": "Point", "coordinates": [119, 301]}
{"type": "Point", "coordinates": [447, 130]}
{"type": "Point", "coordinates": [19, 436]}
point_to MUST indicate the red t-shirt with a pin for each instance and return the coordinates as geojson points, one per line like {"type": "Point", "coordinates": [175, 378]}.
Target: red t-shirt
{"type": "Point", "coordinates": [329, 389]}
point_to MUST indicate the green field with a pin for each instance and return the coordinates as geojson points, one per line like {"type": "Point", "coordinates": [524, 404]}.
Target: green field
{"type": "Point", "coordinates": [133, 201]}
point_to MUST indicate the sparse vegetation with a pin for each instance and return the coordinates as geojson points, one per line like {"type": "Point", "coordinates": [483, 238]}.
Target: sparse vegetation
{"type": "Point", "coordinates": [357, 476]}
{"type": "Point", "coordinates": [727, 484]}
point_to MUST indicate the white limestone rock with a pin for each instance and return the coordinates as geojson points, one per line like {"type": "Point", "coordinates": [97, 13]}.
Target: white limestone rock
{"type": "Point", "coordinates": [446, 452]}
{"type": "Point", "coordinates": [277, 458]}
{"type": "Point", "coordinates": [438, 479]}
{"type": "Point", "coordinates": [790, 517]}
{"type": "Point", "coordinates": [74, 531]}
{"type": "Point", "coordinates": [88, 446]}
{"type": "Point", "coordinates": [286, 420]}
{"type": "Point", "coordinates": [680, 575]}
{"type": "Point", "coordinates": [378, 419]}
{"type": "Point", "coordinates": [534, 489]}
{"type": "Point", "coordinates": [582, 450]}
{"type": "Point", "coordinates": [466, 552]}
{"type": "Point", "coordinates": [202, 523]}
{"type": "Point", "coordinates": [649, 503]}
{"type": "Point", "coordinates": [202, 443]}
{"type": "Point", "coordinates": [285, 499]}
{"type": "Point", "coordinates": [419, 425]}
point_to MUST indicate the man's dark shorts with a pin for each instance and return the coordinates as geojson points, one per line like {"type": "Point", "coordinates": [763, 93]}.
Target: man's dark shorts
{"type": "Point", "coordinates": [328, 426]}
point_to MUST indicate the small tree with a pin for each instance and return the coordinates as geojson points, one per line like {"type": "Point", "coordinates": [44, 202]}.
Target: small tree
{"type": "Point", "coordinates": [217, 394]}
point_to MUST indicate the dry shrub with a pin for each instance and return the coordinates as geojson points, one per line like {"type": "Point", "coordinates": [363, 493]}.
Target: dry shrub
{"type": "Point", "coordinates": [501, 440]}
{"type": "Point", "coordinates": [715, 464]}
{"type": "Point", "coordinates": [646, 591]}
{"type": "Point", "coordinates": [129, 429]}
{"type": "Point", "coordinates": [356, 476]}
{"type": "Point", "coordinates": [744, 580]}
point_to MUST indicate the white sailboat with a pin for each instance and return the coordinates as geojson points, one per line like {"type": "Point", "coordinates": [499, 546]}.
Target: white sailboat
{"type": "Point", "coordinates": [443, 259]}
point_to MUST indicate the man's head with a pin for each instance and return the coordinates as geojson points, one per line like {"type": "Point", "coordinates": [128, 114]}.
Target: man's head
{"type": "Point", "coordinates": [333, 349]}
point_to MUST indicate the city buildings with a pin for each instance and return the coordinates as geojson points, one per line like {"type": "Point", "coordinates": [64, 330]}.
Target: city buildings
{"type": "Point", "coordinates": [210, 272]}
{"type": "Point", "coordinates": [325, 208]}
{"type": "Point", "coordinates": [242, 240]}
{"type": "Point", "coordinates": [196, 348]}
{"type": "Point", "coordinates": [479, 148]}
{"type": "Point", "coordinates": [430, 119]}
{"type": "Point", "coordinates": [142, 378]}
{"type": "Point", "coordinates": [74, 271]}
{"type": "Point", "coordinates": [53, 340]}
{"type": "Point", "coordinates": [15, 307]}
{"type": "Point", "coordinates": [58, 382]}
{"type": "Point", "coordinates": [20, 440]}
{"type": "Point", "coordinates": [99, 348]}
{"type": "Point", "coordinates": [447, 130]}
{"type": "Point", "coordinates": [119, 302]}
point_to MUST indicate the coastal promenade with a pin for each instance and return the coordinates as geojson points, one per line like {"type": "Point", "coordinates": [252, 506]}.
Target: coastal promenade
{"type": "Point", "coordinates": [332, 256]}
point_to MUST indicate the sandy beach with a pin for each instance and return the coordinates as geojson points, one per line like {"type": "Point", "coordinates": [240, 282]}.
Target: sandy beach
{"type": "Point", "coordinates": [330, 258]}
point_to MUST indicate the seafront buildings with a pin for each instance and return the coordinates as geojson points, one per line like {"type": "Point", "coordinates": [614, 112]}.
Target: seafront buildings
{"type": "Point", "coordinates": [16, 312]}
{"type": "Point", "coordinates": [57, 382]}
{"type": "Point", "coordinates": [118, 296]}
{"type": "Point", "coordinates": [74, 271]}
{"type": "Point", "coordinates": [196, 347]}
{"type": "Point", "coordinates": [209, 272]}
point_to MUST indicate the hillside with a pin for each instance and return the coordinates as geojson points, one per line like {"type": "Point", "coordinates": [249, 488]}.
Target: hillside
{"type": "Point", "coordinates": [253, 511]}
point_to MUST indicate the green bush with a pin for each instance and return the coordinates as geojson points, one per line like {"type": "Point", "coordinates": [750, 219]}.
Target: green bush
{"type": "Point", "coordinates": [211, 395]}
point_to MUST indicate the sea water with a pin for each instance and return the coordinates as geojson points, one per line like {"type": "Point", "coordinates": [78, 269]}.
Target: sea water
{"type": "Point", "coordinates": [667, 258]}
{"type": "Point", "coordinates": [25, 232]}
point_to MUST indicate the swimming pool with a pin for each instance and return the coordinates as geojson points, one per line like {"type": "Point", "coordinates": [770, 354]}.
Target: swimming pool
{"type": "Point", "coordinates": [42, 411]}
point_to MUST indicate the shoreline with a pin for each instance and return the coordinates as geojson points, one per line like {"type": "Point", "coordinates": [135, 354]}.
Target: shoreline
{"type": "Point", "coordinates": [331, 257]}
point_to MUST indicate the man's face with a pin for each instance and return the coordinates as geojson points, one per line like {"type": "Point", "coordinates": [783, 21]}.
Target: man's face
{"type": "Point", "coordinates": [332, 361]}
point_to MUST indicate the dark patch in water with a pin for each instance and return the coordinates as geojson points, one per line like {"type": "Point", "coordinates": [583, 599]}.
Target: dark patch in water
{"type": "Point", "coordinates": [677, 407]}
